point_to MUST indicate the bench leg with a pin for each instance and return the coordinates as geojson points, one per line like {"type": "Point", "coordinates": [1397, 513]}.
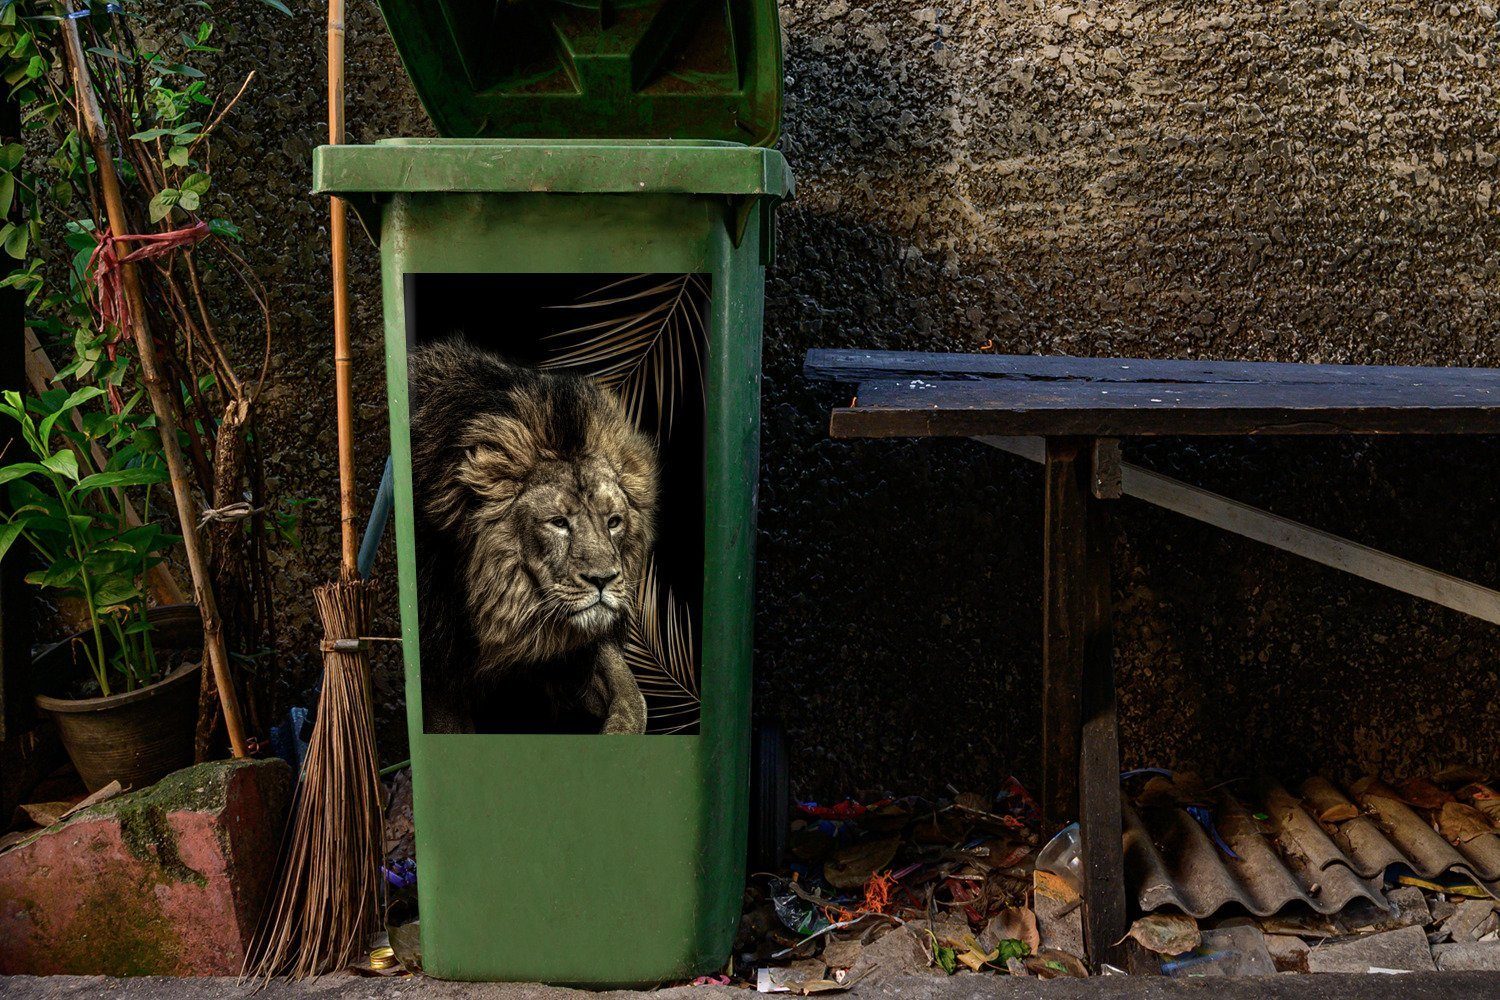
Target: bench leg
{"type": "Point", "coordinates": [1081, 765]}
{"type": "Point", "coordinates": [1064, 554]}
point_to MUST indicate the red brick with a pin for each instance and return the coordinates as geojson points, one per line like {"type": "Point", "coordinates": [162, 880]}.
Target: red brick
{"type": "Point", "coordinates": [167, 881]}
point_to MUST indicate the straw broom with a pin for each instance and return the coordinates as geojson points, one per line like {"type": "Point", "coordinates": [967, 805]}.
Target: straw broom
{"type": "Point", "coordinates": [327, 895]}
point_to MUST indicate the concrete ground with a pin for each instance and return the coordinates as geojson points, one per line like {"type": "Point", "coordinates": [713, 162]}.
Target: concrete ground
{"type": "Point", "coordinates": [1418, 986]}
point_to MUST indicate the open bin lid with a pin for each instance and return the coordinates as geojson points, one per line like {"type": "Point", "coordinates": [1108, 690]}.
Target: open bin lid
{"type": "Point", "coordinates": [646, 69]}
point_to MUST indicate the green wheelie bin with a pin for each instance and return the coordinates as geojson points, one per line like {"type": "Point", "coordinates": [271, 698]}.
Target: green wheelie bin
{"type": "Point", "coordinates": [601, 207]}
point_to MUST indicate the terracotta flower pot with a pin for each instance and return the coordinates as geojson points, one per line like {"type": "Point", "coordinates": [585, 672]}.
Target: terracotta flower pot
{"type": "Point", "coordinates": [137, 737]}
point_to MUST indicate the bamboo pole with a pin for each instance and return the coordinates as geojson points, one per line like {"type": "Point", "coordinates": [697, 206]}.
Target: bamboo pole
{"type": "Point", "coordinates": [161, 403]}
{"type": "Point", "coordinates": [40, 372]}
{"type": "Point", "coordinates": [343, 355]}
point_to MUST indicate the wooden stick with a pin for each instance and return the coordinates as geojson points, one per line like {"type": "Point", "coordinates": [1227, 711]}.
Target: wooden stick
{"type": "Point", "coordinates": [40, 373]}
{"type": "Point", "coordinates": [1291, 536]}
{"type": "Point", "coordinates": [343, 355]}
{"type": "Point", "coordinates": [161, 403]}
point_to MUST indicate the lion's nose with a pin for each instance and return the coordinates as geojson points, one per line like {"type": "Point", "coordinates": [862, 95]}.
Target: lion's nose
{"type": "Point", "coordinates": [600, 580]}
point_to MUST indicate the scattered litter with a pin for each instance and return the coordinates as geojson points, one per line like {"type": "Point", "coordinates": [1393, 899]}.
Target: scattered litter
{"type": "Point", "coordinates": [883, 886]}
{"type": "Point", "coordinates": [1240, 879]}
{"type": "Point", "coordinates": [1239, 950]}
{"type": "Point", "coordinates": [794, 978]}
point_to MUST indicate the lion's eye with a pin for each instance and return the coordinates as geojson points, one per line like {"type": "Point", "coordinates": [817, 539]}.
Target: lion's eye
{"type": "Point", "coordinates": [615, 521]}
{"type": "Point", "coordinates": [558, 522]}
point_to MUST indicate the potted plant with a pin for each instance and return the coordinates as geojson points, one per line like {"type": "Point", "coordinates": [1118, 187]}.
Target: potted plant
{"type": "Point", "coordinates": [121, 690]}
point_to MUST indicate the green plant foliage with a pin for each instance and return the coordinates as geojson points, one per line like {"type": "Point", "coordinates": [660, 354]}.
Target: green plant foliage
{"type": "Point", "coordinates": [157, 97]}
{"type": "Point", "coordinates": [76, 522]}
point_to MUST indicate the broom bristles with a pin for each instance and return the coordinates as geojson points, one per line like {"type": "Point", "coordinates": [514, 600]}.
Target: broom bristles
{"type": "Point", "coordinates": [327, 894]}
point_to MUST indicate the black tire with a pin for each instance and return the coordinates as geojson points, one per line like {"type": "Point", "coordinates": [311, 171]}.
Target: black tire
{"type": "Point", "coordinates": [770, 797]}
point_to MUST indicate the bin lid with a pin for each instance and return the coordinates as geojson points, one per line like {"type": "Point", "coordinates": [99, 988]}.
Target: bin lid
{"type": "Point", "coordinates": [576, 166]}
{"type": "Point", "coordinates": [651, 69]}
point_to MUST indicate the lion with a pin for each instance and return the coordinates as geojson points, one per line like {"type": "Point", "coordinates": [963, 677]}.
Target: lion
{"type": "Point", "coordinates": [535, 499]}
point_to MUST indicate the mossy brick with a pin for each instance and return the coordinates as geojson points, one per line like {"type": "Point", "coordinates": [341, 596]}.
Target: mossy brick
{"type": "Point", "coordinates": [169, 880]}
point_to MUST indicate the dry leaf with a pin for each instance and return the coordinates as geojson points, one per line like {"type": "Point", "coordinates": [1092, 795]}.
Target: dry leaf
{"type": "Point", "coordinates": [1326, 802]}
{"type": "Point", "coordinates": [1458, 774]}
{"type": "Point", "coordinates": [1460, 824]}
{"type": "Point", "coordinates": [1373, 788]}
{"type": "Point", "coordinates": [104, 794]}
{"type": "Point", "coordinates": [1485, 799]}
{"type": "Point", "coordinates": [1051, 964]}
{"type": "Point", "coordinates": [1158, 791]}
{"type": "Point", "coordinates": [1423, 794]}
{"type": "Point", "coordinates": [851, 867]}
{"type": "Point", "coordinates": [1166, 933]}
{"type": "Point", "coordinates": [1016, 923]}
{"type": "Point", "coordinates": [45, 813]}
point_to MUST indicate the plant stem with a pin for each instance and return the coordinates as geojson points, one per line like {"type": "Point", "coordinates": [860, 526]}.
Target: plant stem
{"type": "Point", "coordinates": [161, 402]}
{"type": "Point", "coordinates": [101, 671]}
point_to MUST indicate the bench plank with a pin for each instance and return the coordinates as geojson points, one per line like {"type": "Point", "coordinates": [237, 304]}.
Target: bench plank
{"type": "Point", "coordinates": [872, 366]}
{"type": "Point", "coordinates": [932, 407]}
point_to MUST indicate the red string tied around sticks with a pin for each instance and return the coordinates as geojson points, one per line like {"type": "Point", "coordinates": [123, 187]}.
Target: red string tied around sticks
{"type": "Point", "coordinates": [105, 264]}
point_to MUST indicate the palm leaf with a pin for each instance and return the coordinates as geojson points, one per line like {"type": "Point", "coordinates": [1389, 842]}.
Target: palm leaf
{"type": "Point", "coordinates": [659, 651]}
{"type": "Point", "coordinates": [646, 343]}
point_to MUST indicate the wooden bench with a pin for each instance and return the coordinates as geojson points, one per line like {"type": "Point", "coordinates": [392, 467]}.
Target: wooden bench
{"type": "Point", "coordinates": [1069, 414]}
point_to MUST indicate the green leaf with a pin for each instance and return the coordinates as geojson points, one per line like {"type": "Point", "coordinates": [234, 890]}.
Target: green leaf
{"type": "Point", "coordinates": [121, 477]}
{"type": "Point", "coordinates": [177, 156]}
{"type": "Point", "coordinates": [224, 228]}
{"type": "Point", "coordinates": [9, 532]}
{"type": "Point", "coordinates": [152, 133]}
{"type": "Point", "coordinates": [77, 397]}
{"type": "Point", "coordinates": [197, 183]}
{"type": "Point", "coordinates": [947, 958]}
{"type": "Point", "coordinates": [11, 155]}
{"type": "Point", "coordinates": [37, 67]}
{"type": "Point", "coordinates": [188, 201]}
{"type": "Point", "coordinates": [143, 538]}
{"type": "Point", "coordinates": [64, 463]}
{"type": "Point", "coordinates": [17, 240]}
{"type": "Point", "coordinates": [79, 235]}
{"type": "Point", "coordinates": [278, 6]}
{"type": "Point", "coordinates": [19, 469]}
{"type": "Point", "coordinates": [183, 69]}
{"type": "Point", "coordinates": [106, 52]}
{"type": "Point", "coordinates": [116, 591]}
{"type": "Point", "coordinates": [59, 574]}
{"type": "Point", "coordinates": [161, 205]}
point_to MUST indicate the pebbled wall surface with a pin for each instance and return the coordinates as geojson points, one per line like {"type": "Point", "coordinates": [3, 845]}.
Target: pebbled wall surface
{"type": "Point", "coordinates": [1302, 181]}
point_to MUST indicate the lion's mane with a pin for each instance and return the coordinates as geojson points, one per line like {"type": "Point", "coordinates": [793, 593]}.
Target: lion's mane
{"type": "Point", "coordinates": [480, 428]}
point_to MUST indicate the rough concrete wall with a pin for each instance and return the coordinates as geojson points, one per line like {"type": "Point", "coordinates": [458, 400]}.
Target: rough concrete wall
{"type": "Point", "coordinates": [1306, 181]}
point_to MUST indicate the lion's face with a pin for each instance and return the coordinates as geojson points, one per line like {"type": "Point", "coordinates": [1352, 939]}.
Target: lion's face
{"type": "Point", "coordinates": [574, 523]}
{"type": "Point", "coordinates": [552, 506]}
